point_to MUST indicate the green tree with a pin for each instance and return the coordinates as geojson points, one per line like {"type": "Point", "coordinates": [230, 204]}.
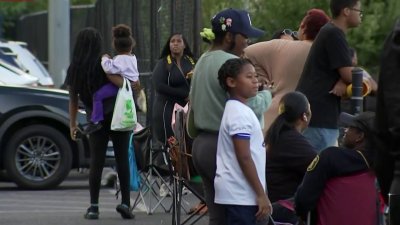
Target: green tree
{"type": "Point", "coordinates": [271, 15]}
{"type": "Point", "coordinates": [11, 11]}
{"type": "Point", "coordinates": [378, 20]}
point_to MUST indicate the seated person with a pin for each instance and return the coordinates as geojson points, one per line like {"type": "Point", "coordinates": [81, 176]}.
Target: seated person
{"type": "Point", "coordinates": [339, 186]}
{"type": "Point", "coordinates": [288, 154]}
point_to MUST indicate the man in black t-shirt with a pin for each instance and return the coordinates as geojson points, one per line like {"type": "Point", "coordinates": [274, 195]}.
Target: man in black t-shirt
{"type": "Point", "coordinates": [327, 72]}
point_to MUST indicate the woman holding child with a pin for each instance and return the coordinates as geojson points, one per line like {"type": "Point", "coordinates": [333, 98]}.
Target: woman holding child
{"type": "Point", "coordinates": [85, 76]}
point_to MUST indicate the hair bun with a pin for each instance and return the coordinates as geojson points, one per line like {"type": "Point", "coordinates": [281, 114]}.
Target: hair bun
{"type": "Point", "coordinates": [121, 31]}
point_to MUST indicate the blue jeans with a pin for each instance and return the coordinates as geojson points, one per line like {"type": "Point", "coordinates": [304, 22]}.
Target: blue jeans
{"type": "Point", "coordinates": [321, 138]}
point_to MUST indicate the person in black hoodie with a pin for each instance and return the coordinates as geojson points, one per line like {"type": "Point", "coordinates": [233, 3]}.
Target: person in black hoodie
{"type": "Point", "coordinates": [388, 123]}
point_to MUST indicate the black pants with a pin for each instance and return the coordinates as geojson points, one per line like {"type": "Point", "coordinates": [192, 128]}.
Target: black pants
{"type": "Point", "coordinates": [98, 145]}
{"type": "Point", "coordinates": [241, 214]}
{"type": "Point", "coordinates": [161, 119]}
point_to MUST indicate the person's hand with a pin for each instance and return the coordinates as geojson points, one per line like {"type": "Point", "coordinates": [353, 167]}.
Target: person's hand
{"type": "Point", "coordinates": [261, 87]}
{"type": "Point", "coordinates": [106, 55]}
{"type": "Point", "coordinates": [264, 207]}
{"type": "Point", "coordinates": [339, 89]}
{"type": "Point", "coordinates": [73, 131]}
{"type": "Point", "coordinates": [189, 75]}
{"type": "Point", "coordinates": [136, 86]}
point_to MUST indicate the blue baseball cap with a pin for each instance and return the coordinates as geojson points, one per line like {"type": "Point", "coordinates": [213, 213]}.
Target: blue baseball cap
{"type": "Point", "coordinates": [235, 21]}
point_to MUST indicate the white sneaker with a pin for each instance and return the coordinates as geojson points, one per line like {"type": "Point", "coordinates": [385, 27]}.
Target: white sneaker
{"type": "Point", "coordinates": [164, 190]}
{"type": "Point", "coordinates": [185, 191]}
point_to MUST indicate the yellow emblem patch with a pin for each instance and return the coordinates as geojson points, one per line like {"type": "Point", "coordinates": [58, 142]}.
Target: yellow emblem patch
{"type": "Point", "coordinates": [313, 164]}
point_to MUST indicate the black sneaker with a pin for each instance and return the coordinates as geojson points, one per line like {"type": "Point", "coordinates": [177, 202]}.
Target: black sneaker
{"type": "Point", "coordinates": [125, 211]}
{"type": "Point", "coordinates": [92, 213]}
{"type": "Point", "coordinates": [92, 127]}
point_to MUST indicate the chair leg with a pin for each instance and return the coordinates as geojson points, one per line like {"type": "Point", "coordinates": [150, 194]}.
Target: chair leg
{"type": "Point", "coordinates": [148, 192]}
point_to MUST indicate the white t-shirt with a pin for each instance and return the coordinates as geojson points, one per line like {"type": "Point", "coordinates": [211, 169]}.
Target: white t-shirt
{"type": "Point", "coordinates": [231, 186]}
{"type": "Point", "coordinates": [125, 65]}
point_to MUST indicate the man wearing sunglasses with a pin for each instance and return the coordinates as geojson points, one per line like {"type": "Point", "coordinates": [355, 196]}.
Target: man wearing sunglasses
{"type": "Point", "coordinates": [327, 72]}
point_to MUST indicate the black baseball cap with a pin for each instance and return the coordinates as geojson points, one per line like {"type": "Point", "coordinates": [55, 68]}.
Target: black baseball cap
{"type": "Point", "coordinates": [364, 121]}
{"type": "Point", "coordinates": [235, 21]}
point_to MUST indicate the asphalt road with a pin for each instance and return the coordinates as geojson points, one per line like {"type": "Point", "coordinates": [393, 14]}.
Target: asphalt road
{"type": "Point", "coordinates": [66, 205]}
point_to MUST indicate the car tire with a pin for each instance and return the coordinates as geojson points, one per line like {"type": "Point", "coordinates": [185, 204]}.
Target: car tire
{"type": "Point", "coordinates": [38, 157]}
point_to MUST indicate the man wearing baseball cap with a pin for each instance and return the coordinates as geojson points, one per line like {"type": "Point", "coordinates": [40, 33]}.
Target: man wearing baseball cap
{"type": "Point", "coordinates": [235, 21]}
{"type": "Point", "coordinates": [231, 28]}
{"type": "Point", "coordinates": [339, 181]}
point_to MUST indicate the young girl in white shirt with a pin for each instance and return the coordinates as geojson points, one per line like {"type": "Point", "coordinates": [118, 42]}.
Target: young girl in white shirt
{"type": "Point", "coordinates": [240, 177]}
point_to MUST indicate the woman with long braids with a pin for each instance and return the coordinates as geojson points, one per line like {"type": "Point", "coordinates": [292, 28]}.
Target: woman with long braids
{"type": "Point", "coordinates": [84, 77]}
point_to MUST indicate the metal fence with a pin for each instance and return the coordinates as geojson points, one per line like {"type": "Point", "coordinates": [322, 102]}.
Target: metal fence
{"type": "Point", "coordinates": [152, 21]}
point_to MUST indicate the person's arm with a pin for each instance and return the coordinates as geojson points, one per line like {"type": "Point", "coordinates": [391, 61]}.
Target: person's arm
{"type": "Point", "coordinates": [118, 81]}
{"type": "Point", "coordinates": [340, 60]}
{"type": "Point", "coordinates": [246, 163]}
{"type": "Point", "coordinates": [371, 82]}
{"type": "Point", "coordinates": [110, 66]}
{"type": "Point", "coordinates": [160, 82]}
{"type": "Point", "coordinates": [308, 193]}
{"type": "Point", "coordinates": [260, 103]}
{"type": "Point", "coordinates": [345, 79]}
{"type": "Point", "coordinates": [251, 54]}
{"type": "Point", "coordinates": [73, 110]}
{"type": "Point", "coordinates": [346, 74]}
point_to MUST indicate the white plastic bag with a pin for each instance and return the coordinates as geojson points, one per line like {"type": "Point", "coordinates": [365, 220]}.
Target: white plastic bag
{"type": "Point", "coordinates": [124, 116]}
{"type": "Point", "coordinates": [141, 101]}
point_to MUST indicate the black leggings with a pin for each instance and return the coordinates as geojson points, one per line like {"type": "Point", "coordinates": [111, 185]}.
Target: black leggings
{"type": "Point", "coordinates": [98, 145]}
{"type": "Point", "coordinates": [161, 120]}
{"type": "Point", "coordinates": [204, 153]}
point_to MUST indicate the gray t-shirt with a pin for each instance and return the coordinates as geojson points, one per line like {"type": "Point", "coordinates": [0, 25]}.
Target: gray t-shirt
{"type": "Point", "coordinates": [207, 98]}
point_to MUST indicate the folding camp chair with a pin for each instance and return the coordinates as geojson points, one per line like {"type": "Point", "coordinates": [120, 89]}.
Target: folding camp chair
{"type": "Point", "coordinates": [181, 158]}
{"type": "Point", "coordinates": [348, 200]}
{"type": "Point", "coordinates": [154, 165]}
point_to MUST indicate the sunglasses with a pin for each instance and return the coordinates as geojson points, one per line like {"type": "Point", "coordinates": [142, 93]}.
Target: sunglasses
{"type": "Point", "coordinates": [290, 33]}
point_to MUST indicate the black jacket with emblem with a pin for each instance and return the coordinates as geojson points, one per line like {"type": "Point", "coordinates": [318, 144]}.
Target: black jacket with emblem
{"type": "Point", "coordinates": [330, 163]}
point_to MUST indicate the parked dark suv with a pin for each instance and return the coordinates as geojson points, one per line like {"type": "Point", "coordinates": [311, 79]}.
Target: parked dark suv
{"type": "Point", "coordinates": [36, 150]}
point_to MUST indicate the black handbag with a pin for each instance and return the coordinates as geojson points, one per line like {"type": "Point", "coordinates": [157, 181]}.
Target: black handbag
{"type": "Point", "coordinates": [142, 144]}
{"type": "Point", "coordinates": [143, 148]}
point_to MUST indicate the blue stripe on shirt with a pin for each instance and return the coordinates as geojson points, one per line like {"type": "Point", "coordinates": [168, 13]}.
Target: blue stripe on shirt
{"type": "Point", "coordinates": [241, 136]}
